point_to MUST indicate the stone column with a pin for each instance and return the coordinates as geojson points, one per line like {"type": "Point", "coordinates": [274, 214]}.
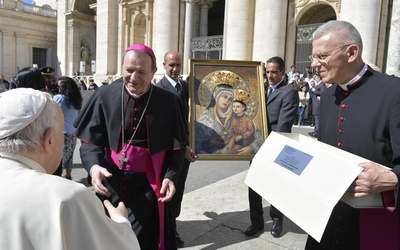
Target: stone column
{"type": "Point", "coordinates": [182, 14]}
{"type": "Point", "coordinates": [205, 5]}
{"type": "Point", "coordinates": [149, 19]}
{"type": "Point", "coordinates": [73, 47]}
{"type": "Point", "coordinates": [62, 37]}
{"type": "Point", "coordinates": [165, 29]}
{"type": "Point", "coordinates": [106, 34]}
{"type": "Point", "coordinates": [393, 57]}
{"type": "Point", "coordinates": [269, 29]}
{"type": "Point", "coordinates": [187, 53]}
{"type": "Point", "coordinates": [21, 51]}
{"type": "Point", "coordinates": [1, 51]}
{"type": "Point", "coordinates": [368, 26]}
{"type": "Point", "coordinates": [8, 52]}
{"type": "Point", "coordinates": [122, 33]}
{"type": "Point", "coordinates": [238, 31]}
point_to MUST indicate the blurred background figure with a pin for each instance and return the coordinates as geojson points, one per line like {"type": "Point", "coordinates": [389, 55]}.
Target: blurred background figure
{"type": "Point", "coordinates": [82, 85]}
{"type": "Point", "coordinates": [13, 83]}
{"type": "Point", "coordinates": [51, 85]}
{"type": "Point", "coordinates": [317, 91]}
{"type": "Point", "coordinates": [7, 84]}
{"type": "Point", "coordinates": [31, 78]}
{"type": "Point", "coordinates": [308, 69]}
{"type": "Point", "coordinates": [292, 73]}
{"type": "Point", "coordinates": [69, 99]}
{"type": "Point", "coordinates": [304, 97]}
{"type": "Point", "coordinates": [2, 87]}
{"type": "Point", "coordinates": [92, 85]}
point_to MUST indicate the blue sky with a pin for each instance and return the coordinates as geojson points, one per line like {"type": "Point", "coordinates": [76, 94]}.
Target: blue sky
{"type": "Point", "coordinates": [27, 1]}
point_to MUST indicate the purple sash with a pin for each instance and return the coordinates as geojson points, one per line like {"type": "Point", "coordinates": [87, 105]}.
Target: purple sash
{"type": "Point", "coordinates": [379, 229]}
{"type": "Point", "coordinates": [140, 160]}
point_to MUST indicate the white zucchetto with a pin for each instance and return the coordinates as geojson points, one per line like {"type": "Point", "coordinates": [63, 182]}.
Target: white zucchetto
{"type": "Point", "coordinates": [19, 108]}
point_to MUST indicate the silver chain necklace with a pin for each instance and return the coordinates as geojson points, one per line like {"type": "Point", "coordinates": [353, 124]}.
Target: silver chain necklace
{"type": "Point", "coordinates": [122, 158]}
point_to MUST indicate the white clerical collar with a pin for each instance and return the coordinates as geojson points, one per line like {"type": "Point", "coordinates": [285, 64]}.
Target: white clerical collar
{"type": "Point", "coordinates": [136, 95]}
{"type": "Point", "coordinates": [172, 81]}
{"type": "Point", "coordinates": [355, 79]}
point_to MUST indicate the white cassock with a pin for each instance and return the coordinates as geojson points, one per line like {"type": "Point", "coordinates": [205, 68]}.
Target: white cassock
{"type": "Point", "coordinates": [42, 211]}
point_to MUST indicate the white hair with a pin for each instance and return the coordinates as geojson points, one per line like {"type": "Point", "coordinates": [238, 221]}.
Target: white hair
{"type": "Point", "coordinates": [345, 32]}
{"type": "Point", "coordinates": [28, 139]}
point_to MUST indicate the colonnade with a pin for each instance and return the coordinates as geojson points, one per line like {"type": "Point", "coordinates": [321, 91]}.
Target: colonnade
{"type": "Point", "coordinates": [253, 30]}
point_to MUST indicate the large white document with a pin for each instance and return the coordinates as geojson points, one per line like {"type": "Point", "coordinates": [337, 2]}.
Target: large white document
{"type": "Point", "coordinates": [305, 178]}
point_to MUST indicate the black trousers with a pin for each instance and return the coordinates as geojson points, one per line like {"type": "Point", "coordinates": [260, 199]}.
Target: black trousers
{"type": "Point", "coordinates": [341, 232]}
{"type": "Point", "coordinates": [256, 210]}
{"type": "Point", "coordinates": [141, 202]}
{"type": "Point", "coordinates": [176, 201]}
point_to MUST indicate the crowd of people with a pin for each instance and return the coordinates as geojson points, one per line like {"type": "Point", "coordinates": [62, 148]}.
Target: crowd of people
{"type": "Point", "coordinates": [135, 147]}
{"type": "Point", "coordinates": [310, 88]}
{"type": "Point", "coordinates": [7, 85]}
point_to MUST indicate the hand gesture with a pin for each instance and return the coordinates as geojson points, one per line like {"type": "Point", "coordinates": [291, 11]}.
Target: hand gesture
{"type": "Point", "coordinates": [189, 154]}
{"type": "Point", "coordinates": [97, 173]}
{"type": "Point", "coordinates": [116, 212]}
{"type": "Point", "coordinates": [167, 190]}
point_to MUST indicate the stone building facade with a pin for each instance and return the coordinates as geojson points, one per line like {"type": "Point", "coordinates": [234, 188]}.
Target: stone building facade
{"type": "Point", "coordinates": [28, 36]}
{"type": "Point", "coordinates": [251, 30]}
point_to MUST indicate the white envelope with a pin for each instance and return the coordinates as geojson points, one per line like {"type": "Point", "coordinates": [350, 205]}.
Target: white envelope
{"type": "Point", "coordinates": [305, 178]}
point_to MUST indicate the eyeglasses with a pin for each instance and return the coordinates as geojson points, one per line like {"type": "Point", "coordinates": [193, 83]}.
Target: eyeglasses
{"type": "Point", "coordinates": [323, 55]}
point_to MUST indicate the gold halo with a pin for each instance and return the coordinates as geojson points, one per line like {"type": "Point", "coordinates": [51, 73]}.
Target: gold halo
{"type": "Point", "coordinates": [215, 78]}
{"type": "Point", "coordinates": [248, 99]}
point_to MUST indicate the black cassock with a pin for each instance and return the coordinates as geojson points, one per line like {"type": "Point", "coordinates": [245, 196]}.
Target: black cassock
{"type": "Point", "coordinates": [365, 120]}
{"type": "Point", "coordinates": [161, 129]}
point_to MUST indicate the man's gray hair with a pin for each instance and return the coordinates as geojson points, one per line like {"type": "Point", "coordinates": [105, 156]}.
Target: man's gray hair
{"type": "Point", "coordinates": [29, 138]}
{"type": "Point", "coordinates": [345, 33]}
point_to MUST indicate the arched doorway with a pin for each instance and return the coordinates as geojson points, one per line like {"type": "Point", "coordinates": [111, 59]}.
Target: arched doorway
{"type": "Point", "coordinates": [139, 28]}
{"type": "Point", "coordinates": [308, 23]}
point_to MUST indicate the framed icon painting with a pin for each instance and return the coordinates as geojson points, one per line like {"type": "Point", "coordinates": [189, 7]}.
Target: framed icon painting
{"type": "Point", "coordinates": [227, 109]}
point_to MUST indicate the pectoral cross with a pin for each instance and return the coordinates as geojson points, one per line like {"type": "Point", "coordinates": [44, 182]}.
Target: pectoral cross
{"type": "Point", "coordinates": [122, 158]}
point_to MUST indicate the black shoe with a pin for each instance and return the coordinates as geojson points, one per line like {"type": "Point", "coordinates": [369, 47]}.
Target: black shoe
{"type": "Point", "coordinates": [276, 229]}
{"type": "Point", "coordinates": [179, 242]}
{"type": "Point", "coordinates": [312, 134]}
{"type": "Point", "coordinates": [252, 230]}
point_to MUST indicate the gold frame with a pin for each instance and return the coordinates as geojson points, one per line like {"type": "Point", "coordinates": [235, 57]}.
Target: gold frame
{"type": "Point", "coordinates": [212, 133]}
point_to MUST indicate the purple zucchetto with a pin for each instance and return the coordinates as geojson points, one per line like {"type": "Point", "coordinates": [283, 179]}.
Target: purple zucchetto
{"type": "Point", "coordinates": [141, 47]}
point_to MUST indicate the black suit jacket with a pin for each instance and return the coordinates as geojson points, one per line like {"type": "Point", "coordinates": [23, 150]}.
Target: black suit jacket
{"type": "Point", "coordinates": [184, 97]}
{"type": "Point", "coordinates": [316, 104]}
{"type": "Point", "coordinates": [282, 106]}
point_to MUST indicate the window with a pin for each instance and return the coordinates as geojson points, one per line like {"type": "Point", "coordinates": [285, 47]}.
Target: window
{"type": "Point", "coordinates": [39, 57]}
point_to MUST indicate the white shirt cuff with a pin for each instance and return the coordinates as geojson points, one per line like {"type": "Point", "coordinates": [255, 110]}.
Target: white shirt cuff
{"type": "Point", "coordinates": [122, 220]}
